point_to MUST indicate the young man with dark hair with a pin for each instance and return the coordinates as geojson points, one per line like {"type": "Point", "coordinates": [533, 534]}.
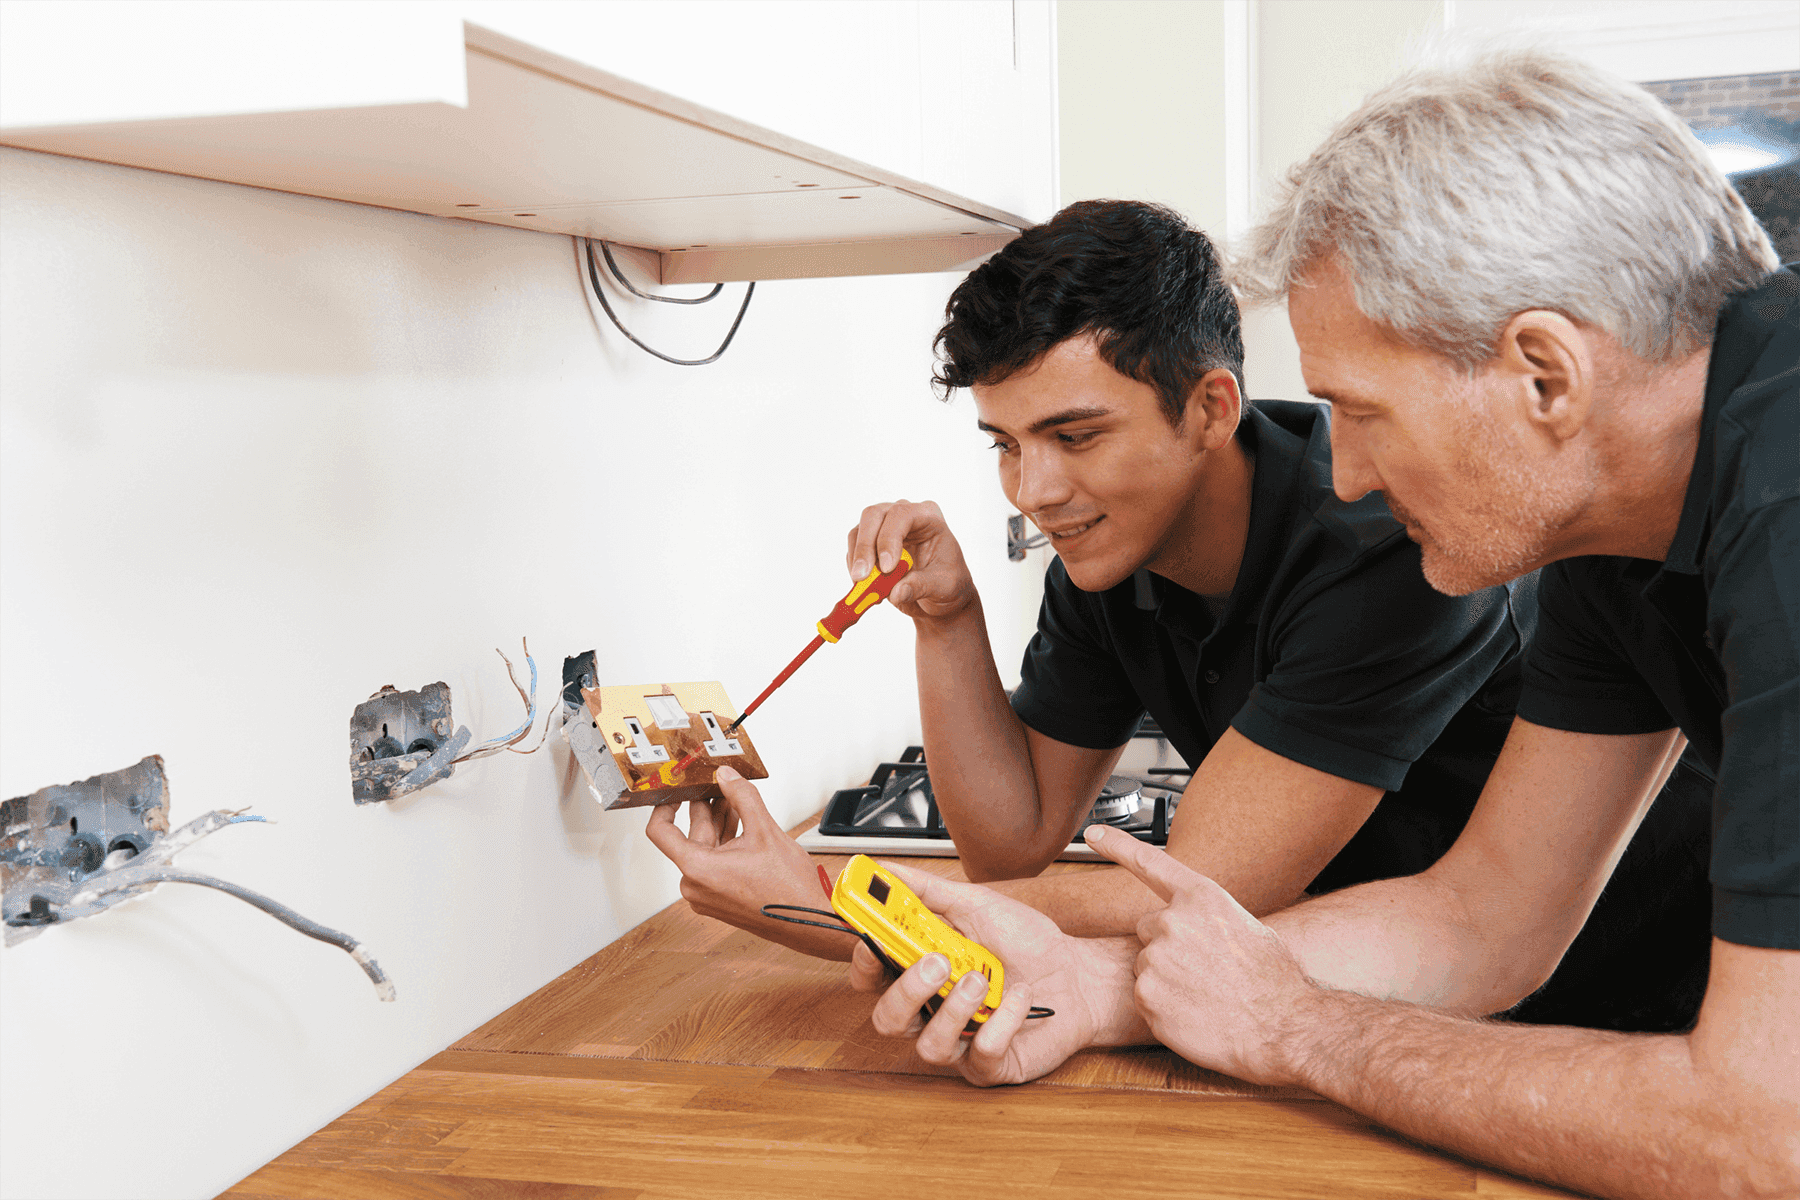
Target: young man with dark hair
{"type": "Point", "coordinates": [1342, 715]}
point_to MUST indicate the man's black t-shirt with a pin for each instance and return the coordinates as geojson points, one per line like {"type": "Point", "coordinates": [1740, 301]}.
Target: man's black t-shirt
{"type": "Point", "coordinates": [1709, 639]}
{"type": "Point", "coordinates": [1333, 651]}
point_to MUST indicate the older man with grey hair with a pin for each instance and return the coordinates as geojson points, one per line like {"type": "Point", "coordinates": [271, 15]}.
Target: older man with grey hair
{"type": "Point", "coordinates": [1553, 336]}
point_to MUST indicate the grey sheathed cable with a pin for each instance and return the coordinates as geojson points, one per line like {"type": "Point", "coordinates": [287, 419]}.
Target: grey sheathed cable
{"type": "Point", "coordinates": [128, 877]}
{"type": "Point", "coordinates": [600, 294]}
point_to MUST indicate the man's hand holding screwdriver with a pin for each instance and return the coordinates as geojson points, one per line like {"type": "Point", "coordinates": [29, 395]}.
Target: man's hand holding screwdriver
{"type": "Point", "coordinates": [939, 585]}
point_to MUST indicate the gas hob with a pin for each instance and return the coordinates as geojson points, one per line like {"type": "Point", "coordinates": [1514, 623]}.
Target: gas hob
{"type": "Point", "coordinates": [896, 812]}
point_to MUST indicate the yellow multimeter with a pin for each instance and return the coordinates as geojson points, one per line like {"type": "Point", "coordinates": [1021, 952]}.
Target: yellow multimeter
{"type": "Point", "coordinates": [872, 903]}
{"type": "Point", "coordinates": [897, 926]}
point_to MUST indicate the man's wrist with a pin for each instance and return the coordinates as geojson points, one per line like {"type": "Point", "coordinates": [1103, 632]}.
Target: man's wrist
{"type": "Point", "coordinates": [1294, 1049]}
{"type": "Point", "coordinates": [953, 626]}
{"type": "Point", "coordinates": [1109, 980]}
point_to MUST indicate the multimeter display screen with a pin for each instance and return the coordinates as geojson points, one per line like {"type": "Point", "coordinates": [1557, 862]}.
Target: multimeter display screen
{"type": "Point", "coordinates": [878, 888]}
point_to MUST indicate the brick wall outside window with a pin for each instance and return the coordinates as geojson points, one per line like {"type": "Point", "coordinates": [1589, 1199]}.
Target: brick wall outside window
{"type": "Point", "coordinates": [1768, 102]}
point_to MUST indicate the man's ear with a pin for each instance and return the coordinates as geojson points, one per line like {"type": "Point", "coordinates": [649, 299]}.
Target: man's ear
{"type": "Point", "coordinates": [1546, 367]}
{"type": "Point", "coordinates": [1214, 408]}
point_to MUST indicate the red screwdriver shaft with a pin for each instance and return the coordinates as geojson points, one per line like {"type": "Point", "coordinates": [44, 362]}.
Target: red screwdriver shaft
{"type": "Point", "coordinates": [872, 590]}
{"type": "Point", "coordinates": [779, 680]}
{"type": "Point", "coordinates": [693, 756]}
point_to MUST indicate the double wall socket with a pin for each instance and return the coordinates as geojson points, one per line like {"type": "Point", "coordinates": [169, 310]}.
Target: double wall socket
{"type": "Point", "coordinates": [657, 743]}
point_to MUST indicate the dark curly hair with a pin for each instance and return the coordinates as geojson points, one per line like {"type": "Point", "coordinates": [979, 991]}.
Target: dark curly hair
{"type": "Point", "coordinates": [1136, 275]}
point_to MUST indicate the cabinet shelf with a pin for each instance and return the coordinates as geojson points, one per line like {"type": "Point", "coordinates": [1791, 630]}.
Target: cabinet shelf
{"type": "Point", "coordinates": [550, 144]}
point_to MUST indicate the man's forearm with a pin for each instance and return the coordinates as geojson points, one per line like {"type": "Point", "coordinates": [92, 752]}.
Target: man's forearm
{"type": "Point", "coordinates": [1473, 934]}
{"type": "Point", "coordinates": [1401, 939]}
{"type": "Point", "coordinates": [1094, 904]}
{"type": "Point", "coordinates": [1089, 904]}
{"type": "Point", "coordinates": [1624, 1115]}
{"type": "Point", "coordinates": [981, 770]}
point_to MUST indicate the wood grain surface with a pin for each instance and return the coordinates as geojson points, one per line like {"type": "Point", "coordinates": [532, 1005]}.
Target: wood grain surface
{"type": "Point", "coordinates": [702, 991]}
{"type": "Point", "coordinates": [690, 1059]}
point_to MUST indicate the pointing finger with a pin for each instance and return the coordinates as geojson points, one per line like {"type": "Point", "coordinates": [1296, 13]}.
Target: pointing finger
{"type": "Point", "coordinates": [1159, 872]}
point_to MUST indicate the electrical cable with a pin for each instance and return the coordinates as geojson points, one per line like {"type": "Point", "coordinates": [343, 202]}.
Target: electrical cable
{"type": "Point", "coordinates": [606, 253]}
{"type": "Point", "coordinates": [600, 294]}
{"type": "Point", "coordinates": [128, 877]}
{"type": "Point", "coordinates": [841, 928]}
{"type": "Point", "coordinates": [1036, 1013]}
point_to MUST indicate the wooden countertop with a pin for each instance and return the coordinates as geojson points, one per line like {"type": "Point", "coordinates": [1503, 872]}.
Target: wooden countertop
{"type": "Point", "coordinates": [690, 1059]}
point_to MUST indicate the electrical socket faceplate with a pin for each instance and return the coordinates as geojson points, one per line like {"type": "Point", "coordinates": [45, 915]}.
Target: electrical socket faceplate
{"type": "Point", "coordinates": [643, 752]}
{"type": "Point", "coordinates": [719, 746]}
{"type": "Point", "coordinates": [629, 739]}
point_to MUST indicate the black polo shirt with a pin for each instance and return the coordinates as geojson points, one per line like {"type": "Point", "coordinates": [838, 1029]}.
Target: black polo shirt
{"type": "Point", "coordinates": [1332, 650]}
{"type": "Point", "coordinates": [1708, 640]}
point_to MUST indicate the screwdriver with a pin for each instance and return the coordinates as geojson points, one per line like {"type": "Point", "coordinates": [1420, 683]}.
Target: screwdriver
{"type": "Point", "coordinates": [860, 599]}
{"type": "Point", "coordinates": [845, 613]}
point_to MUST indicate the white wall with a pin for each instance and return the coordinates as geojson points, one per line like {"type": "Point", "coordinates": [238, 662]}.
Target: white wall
{"type": "Point", "coordinates": [1204, 104]}
{"type": "Point", "coordinates": [1142, 87]}
{"type": "Point", "coordinates": [1315, 62]}
{"type": "Point", "coordinates": [261, 454]}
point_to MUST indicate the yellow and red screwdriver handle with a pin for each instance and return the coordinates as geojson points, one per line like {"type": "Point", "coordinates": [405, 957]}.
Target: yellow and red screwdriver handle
{"type": "Point", "coordinates": [871, 591]}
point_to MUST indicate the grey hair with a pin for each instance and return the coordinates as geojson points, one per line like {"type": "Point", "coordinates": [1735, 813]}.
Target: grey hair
{"type": "Point", "coordinates": [1459, 197]}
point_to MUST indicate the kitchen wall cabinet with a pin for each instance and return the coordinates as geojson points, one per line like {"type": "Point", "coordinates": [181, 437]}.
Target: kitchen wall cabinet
{"type": "Point", "coordinates": [535, 139]}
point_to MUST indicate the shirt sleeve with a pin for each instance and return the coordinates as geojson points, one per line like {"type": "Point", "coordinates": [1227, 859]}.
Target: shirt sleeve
{"type": "Point", "coordinates": [1371, 664]}
{"type": "Point", "coordinates": [1071, 686]}
{"type": "Point", "coordinates": [1577, 677]}
{"type": "Point", "coordinates": [1753, 616]}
